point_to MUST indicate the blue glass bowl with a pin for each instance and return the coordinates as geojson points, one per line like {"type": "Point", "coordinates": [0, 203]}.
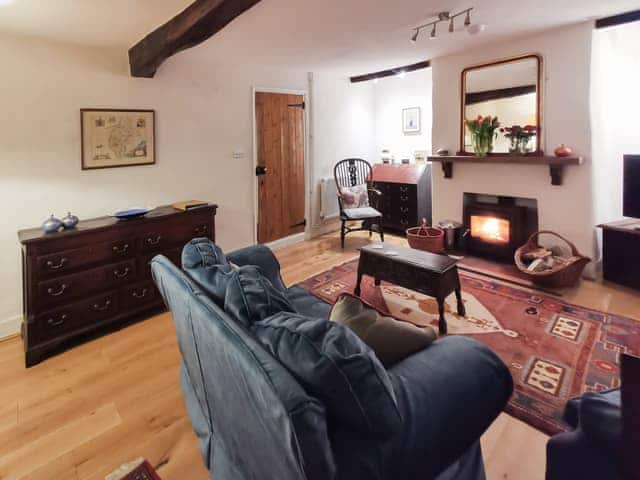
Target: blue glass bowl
{"type": "Point", "coordinates": [132, 213]}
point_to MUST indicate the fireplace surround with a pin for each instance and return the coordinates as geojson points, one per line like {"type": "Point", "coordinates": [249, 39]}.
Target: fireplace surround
{"type": "Point", "coordinates": [498, 225]}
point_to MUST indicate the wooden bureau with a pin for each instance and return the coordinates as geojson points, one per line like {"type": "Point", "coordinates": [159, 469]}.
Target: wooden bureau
{"type": "Point", "coordinates": [406, 194]}
{"type": "Point", "coordinates": [97, 276]}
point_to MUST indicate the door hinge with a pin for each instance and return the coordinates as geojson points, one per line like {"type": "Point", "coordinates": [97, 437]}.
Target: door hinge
{"type": "Point", "coordinates": [301, 224]}
{"type": "Point", "coordinates": [302, 105]}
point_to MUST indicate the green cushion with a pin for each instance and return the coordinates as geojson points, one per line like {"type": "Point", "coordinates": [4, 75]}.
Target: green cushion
{"type": "Point", "coordinates": [390, 339]}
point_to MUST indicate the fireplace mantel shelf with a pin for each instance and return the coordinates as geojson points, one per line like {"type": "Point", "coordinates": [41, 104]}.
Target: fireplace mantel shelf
{"type": "Point", "coordinates": [556, 164]}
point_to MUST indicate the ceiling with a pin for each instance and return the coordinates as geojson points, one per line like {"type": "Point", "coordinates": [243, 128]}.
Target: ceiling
{"type": "Point", "coordinates": [350, 36]}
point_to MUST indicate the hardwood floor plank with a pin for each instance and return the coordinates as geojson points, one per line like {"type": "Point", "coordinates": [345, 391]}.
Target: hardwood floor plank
{"type": "Point", "coordinates": [49, 447]}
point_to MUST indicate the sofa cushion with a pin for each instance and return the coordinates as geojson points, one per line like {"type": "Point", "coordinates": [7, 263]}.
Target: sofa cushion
{"type": "Point", "coordinates": [390, 339]}
{"type": "Point", "coordinates": [306, 303]}
{"type": "Point", "coordinates": [335, 366]}
{"type": "Point", "coordinates": [207, 265]}
{"type": "Point", "coordinates": [601, 419]}
{"type": "Point", "coordinates": [251, 297]}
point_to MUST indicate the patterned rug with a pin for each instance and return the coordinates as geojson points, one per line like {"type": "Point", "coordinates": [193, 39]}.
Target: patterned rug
{"type": "Point", "coordinates": [554, 350]}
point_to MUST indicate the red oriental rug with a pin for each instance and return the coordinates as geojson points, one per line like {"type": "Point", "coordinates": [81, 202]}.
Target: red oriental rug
{"type": "Point", "coordinates": [553, 349]}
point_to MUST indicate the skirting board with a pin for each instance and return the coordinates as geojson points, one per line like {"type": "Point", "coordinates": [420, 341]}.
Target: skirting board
{"type": "Point", "coordinates": [10, 326]}
{"type": "Point", "coordinates": [290, 240]}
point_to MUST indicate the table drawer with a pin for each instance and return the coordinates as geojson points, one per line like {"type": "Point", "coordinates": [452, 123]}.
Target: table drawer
{"type": "Point", "coordinates": [144, 262]}
{"type": "Point", "coordinates": [140, 295]}
{"type": "Point", "coordinates": [62, 289]}
{"type": "Point", "coordinates": [70, 318]}
{"type": "Point", "coordinates": [177, 232]}
{"type": "Point", "coordinates": [59, 263]}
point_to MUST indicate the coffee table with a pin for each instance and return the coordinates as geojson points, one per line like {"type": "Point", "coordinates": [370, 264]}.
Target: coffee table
{"type": "Point", "coordinates": [424, 272]}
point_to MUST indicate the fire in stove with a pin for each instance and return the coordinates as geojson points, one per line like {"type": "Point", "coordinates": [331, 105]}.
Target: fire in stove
{"type": "Point", "coordinates": [490, 229]}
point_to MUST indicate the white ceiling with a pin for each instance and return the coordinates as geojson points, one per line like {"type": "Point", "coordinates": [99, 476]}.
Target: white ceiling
{"type": "Point", "coordinates": [350, 36]}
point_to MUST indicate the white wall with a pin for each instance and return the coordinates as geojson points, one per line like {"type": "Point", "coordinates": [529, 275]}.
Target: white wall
{"type": "Point", "coordinates": [393, 94]}
{"type": "Point", "coordinates": [566, 209]}
{"type": "Point", "coordinates": [343, 127]}
{"type": "Point", "coordinates": [203, 112]}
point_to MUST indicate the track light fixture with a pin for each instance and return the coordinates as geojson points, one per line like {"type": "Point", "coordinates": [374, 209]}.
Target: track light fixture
{"type": "Point", "coordinates": [444, 17]}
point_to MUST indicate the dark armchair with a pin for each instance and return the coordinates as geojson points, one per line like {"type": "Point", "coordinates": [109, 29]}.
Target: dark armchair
{"type": "Point", "coordinates": [358, 201]}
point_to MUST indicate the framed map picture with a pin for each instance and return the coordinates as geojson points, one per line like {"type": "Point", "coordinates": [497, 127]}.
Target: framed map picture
{"type": "Point", "coordinates": [117, 138]}
{"type": "Point", "coordinates": [411, 120]}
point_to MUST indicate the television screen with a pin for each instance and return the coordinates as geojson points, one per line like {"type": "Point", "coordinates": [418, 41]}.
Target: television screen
{"type": "Point", "coordinates": [631, 188]}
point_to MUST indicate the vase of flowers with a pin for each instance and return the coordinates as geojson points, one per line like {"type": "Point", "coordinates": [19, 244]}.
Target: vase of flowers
{"type": "Point", "coordinates": [519, 138]}
{"type": "Point", "coordinates": [483, 132]}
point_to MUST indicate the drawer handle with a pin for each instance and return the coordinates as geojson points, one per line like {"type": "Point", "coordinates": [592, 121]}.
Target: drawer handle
{"type": "Point", "coordinates": [137, 294]}
{"type": "Point", "coordinates": [404, 222]}
{"type": "Point", "coordinates": [103, 307]}
{"type": "Point", "coordinates": [56, 323]}
{"type": "Point", "coordinates": [120, 250]}
{"type": "Point", "coordinates": [57, 293]}
{"type": "Point", "coordinates": [404, 209]}
{"type": "Point", "coordinates": [404, 198]}
{"type": "Point", "coordinates": [121, 274]}
{"type": "Point", "coordinates": [154, 241]}
{"type": "Point", "coordinates": [201, 229]}
{"type": "Point", "coordinates": [56, 266]}
{"type": "Point", "coordinates": [404, 189]}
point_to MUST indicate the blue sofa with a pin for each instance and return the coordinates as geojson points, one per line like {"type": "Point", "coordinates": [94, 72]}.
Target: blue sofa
{"type": "Point", "coordinates": [592, 449]}
{"type": "Point", "coordinates": [254, 421]}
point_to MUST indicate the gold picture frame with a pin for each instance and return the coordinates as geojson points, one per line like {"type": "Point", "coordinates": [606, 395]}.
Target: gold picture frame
{"type": "Point", "coordinates": [113, 138]}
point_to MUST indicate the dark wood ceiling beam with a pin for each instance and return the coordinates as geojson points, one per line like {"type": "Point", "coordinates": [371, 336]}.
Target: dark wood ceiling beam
{"type": "Point", "coordinates": [498, 94]}
{"type": "Point", "coordinates": [198, 22]}
{"type": "Point", "coordinates": [621, 19]}
{"type": "Point", "coordinates": [391, 72]}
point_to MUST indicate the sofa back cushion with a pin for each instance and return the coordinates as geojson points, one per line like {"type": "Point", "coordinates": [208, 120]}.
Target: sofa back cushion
{"type": "Point", "coordinates": [207, 265]}
{"type": "Point", "coordinates": [251, 297]}
{"type": "Point", "coordinates": [251, 415]}
{"type": "Point", "coordinates": [335, 366]}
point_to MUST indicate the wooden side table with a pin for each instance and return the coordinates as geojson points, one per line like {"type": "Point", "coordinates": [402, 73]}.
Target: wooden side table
{"type": "Point", "coordinates": [424, 272]}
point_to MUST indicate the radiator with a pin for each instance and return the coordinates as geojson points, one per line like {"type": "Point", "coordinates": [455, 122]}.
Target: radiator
{"type": "Point", "coordinates": [328, 199]}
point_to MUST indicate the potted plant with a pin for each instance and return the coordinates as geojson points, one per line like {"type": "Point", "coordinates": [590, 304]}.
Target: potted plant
{"type": "Point", "coordinates": [483, 132]}
{"type": "Point", "coordinates": [519, 138]}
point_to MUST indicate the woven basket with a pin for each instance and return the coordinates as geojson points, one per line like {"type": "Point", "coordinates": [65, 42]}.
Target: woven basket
{"type": "Point", "coordinates": [430, 239]}
{"type": "Point", "coordinates": [560, 276]}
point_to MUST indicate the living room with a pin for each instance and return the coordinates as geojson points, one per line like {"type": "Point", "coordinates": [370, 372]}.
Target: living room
{"type": "Point", "coordinates": [317, 137]}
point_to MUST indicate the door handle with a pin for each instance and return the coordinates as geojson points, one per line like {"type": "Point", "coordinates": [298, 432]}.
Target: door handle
{"type": "Point", "coordinates": [261, 170]}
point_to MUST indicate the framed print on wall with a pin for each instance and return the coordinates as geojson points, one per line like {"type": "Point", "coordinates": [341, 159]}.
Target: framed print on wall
{"type": "Point", "coordinates": [117, 138]}
{"type": "Point", "coordinates": [411, 120]}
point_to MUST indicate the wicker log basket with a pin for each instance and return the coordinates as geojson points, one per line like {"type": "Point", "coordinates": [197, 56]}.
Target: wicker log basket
{"type": "Point", "coordinates": [430, 239]}
{"type": "Point", "coordinates": [565, 274]}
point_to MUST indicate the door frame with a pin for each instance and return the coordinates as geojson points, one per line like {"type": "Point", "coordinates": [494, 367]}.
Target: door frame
{"type": "Point", "coordinates": [307, 163]}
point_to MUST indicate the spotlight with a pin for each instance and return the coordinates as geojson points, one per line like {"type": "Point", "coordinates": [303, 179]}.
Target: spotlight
{"type": "Point", "coordinates": [451, 26]}
{"type": "Point", "coordinates": [467, 19]}
{"type": "Point", "coordinates": [414, 38]}
{"type": "Point", "coordinates": [402, 74]}
{"type": "Point", "coordinates": [433, 33]}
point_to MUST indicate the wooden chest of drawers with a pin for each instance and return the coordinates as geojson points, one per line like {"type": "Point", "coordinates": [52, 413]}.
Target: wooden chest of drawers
{"type": "Point", "coordinates": [406, 195]}
{"type": "Point", "coordinates": [97, 276]}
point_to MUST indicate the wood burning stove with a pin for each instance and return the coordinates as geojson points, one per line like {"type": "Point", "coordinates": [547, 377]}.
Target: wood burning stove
{"type": "Point", "coordinates": [497, 225]}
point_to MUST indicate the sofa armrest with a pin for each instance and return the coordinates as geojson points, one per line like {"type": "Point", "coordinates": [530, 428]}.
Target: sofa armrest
{"type": "Point", "coordinates": [264, 258]}
{"type": "Point", "coordinates": [448, 394]}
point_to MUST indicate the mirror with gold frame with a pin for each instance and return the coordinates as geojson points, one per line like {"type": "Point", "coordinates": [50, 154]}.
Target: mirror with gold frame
{"type": "Point", "coordinates": [509, 89]}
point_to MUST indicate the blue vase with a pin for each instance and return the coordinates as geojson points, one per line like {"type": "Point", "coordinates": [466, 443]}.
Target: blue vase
{"type": "Point", "coordinates": [51, 225]}
{"type": "Point", "coordinates": [70, 221]}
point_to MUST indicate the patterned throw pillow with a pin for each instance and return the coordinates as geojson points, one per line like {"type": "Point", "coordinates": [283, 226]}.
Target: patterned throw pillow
{"type": "Point", "coordinates": [355, 197]}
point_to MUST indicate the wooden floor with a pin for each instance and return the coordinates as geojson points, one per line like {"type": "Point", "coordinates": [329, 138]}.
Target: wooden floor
{"type": "Point", "coordinates": [83, 413]}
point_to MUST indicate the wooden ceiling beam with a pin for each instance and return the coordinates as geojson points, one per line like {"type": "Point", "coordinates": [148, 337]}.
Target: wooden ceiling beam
{"type": "Point", "coordinates": [198, 22]}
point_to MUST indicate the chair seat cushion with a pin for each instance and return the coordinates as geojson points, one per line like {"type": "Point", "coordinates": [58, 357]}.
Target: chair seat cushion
{"type": "Point", "coordinates": [390, 339]}
{"type": "Point", "coordinates": [335, 366]}
{"type": "Point", "coordinates": [251, 297]}
{"type": "Point", "coordinates": [361, 213]}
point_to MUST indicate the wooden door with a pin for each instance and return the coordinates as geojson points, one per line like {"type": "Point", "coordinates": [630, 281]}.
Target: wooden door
{"type": "Point", "coordinates": [280, 169]}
